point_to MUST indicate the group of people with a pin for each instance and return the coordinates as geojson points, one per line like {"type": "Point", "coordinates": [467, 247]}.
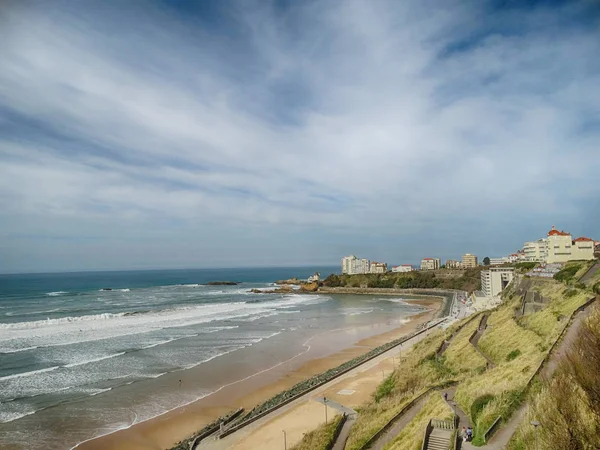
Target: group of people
{"type": "Point", "coordinates": [467, 434]}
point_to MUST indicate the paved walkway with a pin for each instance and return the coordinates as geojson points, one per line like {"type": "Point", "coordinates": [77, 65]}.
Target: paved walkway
{"type": "Point", "coordinates": [477, 336]}
{"type": "Point", "coordinates": [399, 425]}
{"type": "Point", "coordinates": [590, 273]}
{"type": "Point", "coordinates": [340, 443]}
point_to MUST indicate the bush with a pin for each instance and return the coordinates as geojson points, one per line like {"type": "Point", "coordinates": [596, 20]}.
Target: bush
{"type": "Point", "coordinates": [513, 355]}
{"type": "Point", "coordinates": [478, 404]}
{"type": "Point", "coordinates": [385, 388]}
{"type": "Point", "coordinates": [567, 273]}
{"type": "Point", "coordinates": [570, 293]}
{"type": "Point", "coordinates": [597, 288]}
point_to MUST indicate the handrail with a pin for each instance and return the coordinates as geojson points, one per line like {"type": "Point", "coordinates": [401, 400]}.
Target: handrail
{"type": "Point", "coordinates": [215, 427]}
{"type": "Point", "coordinates": [428, 430]}
{"type": "Point", "coordinates": [491, 429]}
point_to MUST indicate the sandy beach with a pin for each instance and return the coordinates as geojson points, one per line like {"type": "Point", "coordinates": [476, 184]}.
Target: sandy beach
{"type": "Point", "coordinates": [257, 384]}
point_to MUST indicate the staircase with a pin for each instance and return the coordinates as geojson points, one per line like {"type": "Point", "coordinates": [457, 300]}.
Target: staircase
{"type": "Point", "coordinates": [438, 435]}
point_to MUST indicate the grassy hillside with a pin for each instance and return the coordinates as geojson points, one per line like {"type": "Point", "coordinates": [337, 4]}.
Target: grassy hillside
{"type": "Point", "coordinates": [320, 438]}
{"type": "Point", "coordinates": [411, 437]}
{"type": "Point", "coordinates": [568, 405]}
{"type": "Point", "coordinates": [517, 347]}
{"type": "Point", "coordinates": [467, 280]}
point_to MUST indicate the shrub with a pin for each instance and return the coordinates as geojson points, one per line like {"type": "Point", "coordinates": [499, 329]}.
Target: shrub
{"type": "Point", "coordinates": [478, 404]}
{"type": "Point", "coordinates": [385, 388]}
{"type": "Point", "coordinates": [567, 273]}
{"type": "Point", "coordinates": [570, 293]}
{"type": "Point", "coordinates": [513, 355]}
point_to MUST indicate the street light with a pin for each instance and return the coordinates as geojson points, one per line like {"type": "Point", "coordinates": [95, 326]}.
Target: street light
{"type": "Point", "coordinates": [284, 440]}
{"type": "Point", "coordinates": [535, 424]}
{"type": "Point", "coordinates": [325, 403]}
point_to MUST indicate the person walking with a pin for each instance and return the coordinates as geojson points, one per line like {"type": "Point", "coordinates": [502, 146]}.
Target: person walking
{"type": "Point", "coordinates": [445, 396]}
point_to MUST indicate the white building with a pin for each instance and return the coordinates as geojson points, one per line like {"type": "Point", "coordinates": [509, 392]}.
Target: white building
{"type": "Point", "coordinates": [402, 268]}
{"type": "Point", "coordinates": [314, 278]}
{"type": "Point", "coordinates": [430, 263]}
{"type": "Point", "coordinates": [469, 261]}
{"type": "Point", "coordinates": [495, 279]}
{"type": "Point", "coordinates": [378, 267]}
{"type": "Point", "coordinates": [535, 251]}
{"type": "Point", "coordinates": [559, 247]}
{"type": "Point", "coordinates": [352, 265]}
{"type": "Point", "coordinates": [499, 261]}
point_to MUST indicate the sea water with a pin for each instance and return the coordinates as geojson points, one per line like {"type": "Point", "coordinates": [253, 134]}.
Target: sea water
{"type": "Point", "coordinates": [67, 340]}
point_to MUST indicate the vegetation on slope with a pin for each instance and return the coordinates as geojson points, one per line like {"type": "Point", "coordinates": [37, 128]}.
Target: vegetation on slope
{"type": "Point", "coordinates": [572, 271]}
{"type": "Point", "coordinates": [516, 347]}
{"type": "Point", "coordinates": [411, 437]}
{"type": "Point", "coordinates": [568, 406]}
{"type": "Point", "coordinates": [461, 356]}
{"type": "Point", "coordinates": [469, 280]}
{"type": "Point", "coordinates": [414, 375]}
{"type": "Point", "coordinates": [320, 438]}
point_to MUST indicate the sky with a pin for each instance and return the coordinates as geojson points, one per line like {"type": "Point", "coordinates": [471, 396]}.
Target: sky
{"type": "Point", "coordinates": [174, 134]}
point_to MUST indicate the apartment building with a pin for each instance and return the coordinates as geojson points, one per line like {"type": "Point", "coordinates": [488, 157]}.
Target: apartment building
{"type": "Point", "coordinates": [402, 268]}
{"type": "Point", "coordinates": [452, 264]}
{"type": "Point", "coordinates": [378, 267]}
{"type": "Point", "coordinates": [430, 263]}
{"type": "Point", "coordinates": [469, 261]}
{"type": "Point", "coordinates": [352, 265]}
{"type": "Point", "coordinates": [495, 279]}
{"type": "Point", "coordinates": [559, 247]}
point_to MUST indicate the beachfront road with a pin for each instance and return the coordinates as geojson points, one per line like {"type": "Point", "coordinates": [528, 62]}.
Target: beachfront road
{"type": "Point", "coordinates": [307, 412]}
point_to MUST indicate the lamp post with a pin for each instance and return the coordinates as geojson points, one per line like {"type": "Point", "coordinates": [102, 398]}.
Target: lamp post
{"type": "Point", "coordinates": [284, 440]}
{"type": "Point", "coordinates": [535, 424]}
{"type": "Point", "coordinates": [325, 403]}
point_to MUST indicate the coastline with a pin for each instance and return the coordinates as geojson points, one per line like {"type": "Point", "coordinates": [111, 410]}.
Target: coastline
{"type": "Point", "coordinates": [167, 429]}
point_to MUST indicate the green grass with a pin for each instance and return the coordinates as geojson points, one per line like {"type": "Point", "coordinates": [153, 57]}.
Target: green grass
{"type": "Point", "coordinates": [411, 437]}
{"type": "Point", "coordinates": [320, 438]}
{"type": "Point", "coordinates": [461, 356]}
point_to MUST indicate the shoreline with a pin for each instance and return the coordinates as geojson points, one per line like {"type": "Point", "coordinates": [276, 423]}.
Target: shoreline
{"type": "Point", "coordinates": [171, 427]}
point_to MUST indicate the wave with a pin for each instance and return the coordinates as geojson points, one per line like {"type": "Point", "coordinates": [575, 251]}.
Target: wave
{"type": "Point", "coordinates": [357, 313]}
{"type": "Point", "coordinates": [17, 350]}
{"type": "Point", "coordinates": [56, 294]}
{"type": "Point", "coordinates": [125, 290]}
{"type": "Point", "coordinates": [62, 320]}
{"type": "Point", "coordinates": [28, 374]}
{"type": "Point", "coordinates": [102, 358]}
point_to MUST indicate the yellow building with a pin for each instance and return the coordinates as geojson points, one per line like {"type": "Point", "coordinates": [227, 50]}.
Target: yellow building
{"type": "Point", "coordinates": [561, 247]}
{"type": "Point", "coordinates": [469, 261]}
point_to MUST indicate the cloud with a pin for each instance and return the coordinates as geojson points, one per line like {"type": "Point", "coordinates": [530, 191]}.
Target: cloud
{"type": "Point", "coordinates": [396, 129]}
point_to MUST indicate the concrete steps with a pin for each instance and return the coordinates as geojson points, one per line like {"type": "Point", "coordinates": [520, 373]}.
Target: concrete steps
{"type": "Point", "coordinates": [439, 439]}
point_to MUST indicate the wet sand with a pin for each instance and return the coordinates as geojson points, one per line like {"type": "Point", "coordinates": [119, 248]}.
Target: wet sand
{"type": "Point", "coordinates": [248, 386]}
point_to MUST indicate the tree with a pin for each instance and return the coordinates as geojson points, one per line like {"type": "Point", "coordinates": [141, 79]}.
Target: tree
{"type": "Point", "coordinates": [486, 261]}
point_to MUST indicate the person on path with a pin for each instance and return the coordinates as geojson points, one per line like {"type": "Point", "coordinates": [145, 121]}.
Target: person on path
{"type": "Point", "coordinates": [469, 434]}
{"type": "Point", "coordinates": [445, 396]}
{"type": "Point", "coordinates": [464, 434]}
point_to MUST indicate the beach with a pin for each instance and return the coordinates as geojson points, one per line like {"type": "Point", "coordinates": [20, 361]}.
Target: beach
{"type": "Point", "coordinates": [256, 384]}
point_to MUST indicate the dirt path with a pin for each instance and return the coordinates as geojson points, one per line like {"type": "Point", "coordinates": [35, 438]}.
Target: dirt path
{"type": "Point", "coordinates": [590, 273]}
{"type": "Point", "coordinates": [340, 443]}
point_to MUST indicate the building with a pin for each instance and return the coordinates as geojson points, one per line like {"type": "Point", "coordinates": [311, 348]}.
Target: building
{"type": "Point", "coordinates": [469, 261]}
{"type": "Point", "coordinates": [430, 263]}
{"type": "Point", "coordinates": [314, 278]}
{"type": "Point", "coordinates": [495, 279]}
{"type": "Point", "coordinates": [452, 264]}
{"type": "Point", "coordinates": [535, 251]}
{"type": "Point", "coordinates": [402, 268]}
{"type": "Point", "coordinates": [378, 267]}
{"type": "Point", "coordinates": [513, 258]}
{"type": "Point", "coordinates": [499, 261]}
{"type": "Point", "coordinates": [352, 265]}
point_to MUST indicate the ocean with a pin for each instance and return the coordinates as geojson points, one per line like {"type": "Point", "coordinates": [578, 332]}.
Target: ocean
{"type": "Point", "coordinates": [78, 360]}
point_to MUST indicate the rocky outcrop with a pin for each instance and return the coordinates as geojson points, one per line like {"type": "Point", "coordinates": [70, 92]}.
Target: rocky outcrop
{"type": "Point", "coordinates": [285, 289]}
{"type": "Point", "coordinates": [310, 287]}
{"type": "Point", "coordinates": [223, 283]}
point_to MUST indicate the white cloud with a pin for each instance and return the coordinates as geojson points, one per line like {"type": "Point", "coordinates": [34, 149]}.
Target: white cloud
{"type": "Point", "coordinates": [333, 116]}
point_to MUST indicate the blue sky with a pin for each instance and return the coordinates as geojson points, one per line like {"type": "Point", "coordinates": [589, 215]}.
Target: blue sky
{"type": "Point", "coordinates": [216, 134]}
